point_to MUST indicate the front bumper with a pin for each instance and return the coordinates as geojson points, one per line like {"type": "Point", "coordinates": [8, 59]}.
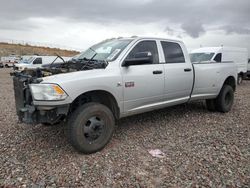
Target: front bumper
{"type": "Point", "coordinates": [30, 113]}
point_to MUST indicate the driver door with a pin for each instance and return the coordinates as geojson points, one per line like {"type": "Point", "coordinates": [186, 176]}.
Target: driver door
{"type": "Point", "coordinates": [143, 84]}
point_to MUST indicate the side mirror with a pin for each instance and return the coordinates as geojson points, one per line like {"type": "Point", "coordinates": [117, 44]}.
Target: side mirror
{"type": "Point", "coordinates": [139, 58]}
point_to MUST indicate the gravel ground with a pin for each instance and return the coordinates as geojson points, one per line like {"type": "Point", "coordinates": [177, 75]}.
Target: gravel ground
{"type": "Point", "coordinates": [201, 149]}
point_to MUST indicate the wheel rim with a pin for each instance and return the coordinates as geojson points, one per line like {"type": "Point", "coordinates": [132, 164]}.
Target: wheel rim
{"type": "Point", "coordinates": [93, 128]}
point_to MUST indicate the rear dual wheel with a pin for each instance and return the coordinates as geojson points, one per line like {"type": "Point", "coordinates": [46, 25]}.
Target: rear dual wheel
{"type": "Point", "coordinates": [224, 101]}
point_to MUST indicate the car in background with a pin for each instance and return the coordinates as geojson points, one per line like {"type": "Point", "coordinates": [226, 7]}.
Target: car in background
{"type": "Point", "coordinates": [223, 54]}
{"type": "Point", "coordinates": [9, 61]}
{"type": "Point", "coordinates": [1, 65]}
{"type": "Point", "coordinates": [26, 58]}
{"type": "Point", "coordinates": [37, 62]}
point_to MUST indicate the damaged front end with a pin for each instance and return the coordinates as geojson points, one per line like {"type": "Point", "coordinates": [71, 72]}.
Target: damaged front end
{"type": "Point", "coordinates": [26, 111]}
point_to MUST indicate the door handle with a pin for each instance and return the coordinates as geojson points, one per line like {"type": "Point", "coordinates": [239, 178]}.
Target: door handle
{"type": "Point", "coordinates": [187, 70]}
{"type": "Point", "coordinates": [157, 72]}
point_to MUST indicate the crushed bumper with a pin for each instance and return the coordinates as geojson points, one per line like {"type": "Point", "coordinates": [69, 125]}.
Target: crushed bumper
{"type": "Point", "coordinates": [29, 113]}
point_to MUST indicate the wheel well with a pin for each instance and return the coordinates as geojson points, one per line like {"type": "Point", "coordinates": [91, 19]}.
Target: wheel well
{"type": "Point", "coordinates": [230, 81]}
{"type": "Point", "coordinates": [99, 96]}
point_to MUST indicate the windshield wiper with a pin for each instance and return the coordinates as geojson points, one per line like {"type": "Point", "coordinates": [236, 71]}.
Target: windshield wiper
{"type": "Point", "coordinates": [89, 60]}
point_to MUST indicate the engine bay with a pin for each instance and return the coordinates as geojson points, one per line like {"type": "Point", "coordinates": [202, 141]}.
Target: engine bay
{"type": "Point", "coordinates": [63, 67]}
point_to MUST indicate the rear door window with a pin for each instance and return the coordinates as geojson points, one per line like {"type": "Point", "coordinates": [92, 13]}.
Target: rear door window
{"type": "Point", "coordinates": [172, 52]}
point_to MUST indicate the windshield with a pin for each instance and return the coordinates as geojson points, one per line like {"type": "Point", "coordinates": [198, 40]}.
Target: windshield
{"type": "Point", "coordinates": [198, 57]}
{"type": "Point", "coordinates": [26, 60]}
{"type": "Point", "coordinates": [108, 50]}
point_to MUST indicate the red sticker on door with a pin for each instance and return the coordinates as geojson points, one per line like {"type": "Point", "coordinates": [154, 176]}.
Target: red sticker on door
{"type": "Point", "coordinates": [129, 84]}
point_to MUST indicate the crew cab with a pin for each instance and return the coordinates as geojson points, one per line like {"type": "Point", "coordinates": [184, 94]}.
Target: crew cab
{"type": "Point", "coordinates": [118, 78]}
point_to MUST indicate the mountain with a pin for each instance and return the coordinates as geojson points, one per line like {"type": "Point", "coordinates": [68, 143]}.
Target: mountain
{"type": "Point", "coordinates": [7, 49]}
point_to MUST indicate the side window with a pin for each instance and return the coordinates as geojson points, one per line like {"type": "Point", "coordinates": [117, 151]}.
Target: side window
{"type": "Point", "coordinates": [37, 61]}
{"type": "Point", "coordinates": [218, 57]}
{"type": "Point", "coordinates": [145, 46]}
{"type": "Point", "coordinates": [172, 52]}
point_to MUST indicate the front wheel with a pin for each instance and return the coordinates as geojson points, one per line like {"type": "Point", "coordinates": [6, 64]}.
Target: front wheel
{"type": "Point", "coordinates": [91, 127]}
{"type": "Point", "coordinates": [224, 101]}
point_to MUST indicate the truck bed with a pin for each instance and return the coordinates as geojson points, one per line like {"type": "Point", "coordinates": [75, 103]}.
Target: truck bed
{"type": "Point", "coordinates": [209, 78]}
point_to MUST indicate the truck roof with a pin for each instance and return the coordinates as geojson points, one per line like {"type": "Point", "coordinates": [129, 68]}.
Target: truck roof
{"type": "Point", "coordinates": [148, 38]}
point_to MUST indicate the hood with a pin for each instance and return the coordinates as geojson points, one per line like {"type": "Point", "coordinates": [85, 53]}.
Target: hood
{"type": "Point", "coordinates": [71, 76]}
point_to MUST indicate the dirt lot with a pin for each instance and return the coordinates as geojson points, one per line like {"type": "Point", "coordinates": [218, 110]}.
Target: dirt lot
{"type": "Point", "coordinates": [201, 149]}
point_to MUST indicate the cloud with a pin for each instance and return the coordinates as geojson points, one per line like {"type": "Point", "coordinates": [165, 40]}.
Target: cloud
{"type": "Point", "coordinates": [168, 12]}
{"type": "Point", "coordinates": [234, 29]}
{"type": "Point", "coordinates": [193, 28]}
{"type": "Point", "coordinates": [20, 25]}
{"type": "Point", "coordinates": [65, 21]}
{"type": "Point", "coordinates": [169, 31]}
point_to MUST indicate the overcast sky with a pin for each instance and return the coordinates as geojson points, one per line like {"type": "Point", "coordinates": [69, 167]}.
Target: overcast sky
{"type": "Point", "coordinates": [81, 23]}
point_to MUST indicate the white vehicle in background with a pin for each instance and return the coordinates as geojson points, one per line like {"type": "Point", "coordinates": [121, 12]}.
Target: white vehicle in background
{"type": "Point", "coordinates": [38, 61]}
{"type": "Point", "coordinates": [223, 54]}
{"type": "Point", "coordinates": [26, 58]}
{"type": "Point", "coordinates": [9, 61]}
{"type": "Point", "coordinates": [248, 69]}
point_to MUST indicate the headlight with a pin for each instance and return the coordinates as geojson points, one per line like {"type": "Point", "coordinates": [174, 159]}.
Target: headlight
{"type": "Point", "coordinates": [47, 92]}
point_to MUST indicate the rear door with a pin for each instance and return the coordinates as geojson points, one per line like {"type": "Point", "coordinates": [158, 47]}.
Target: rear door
{"type": "Point", "coordinates": [143, 85]}
{"type": "Point", "coordinates": [178, 72]}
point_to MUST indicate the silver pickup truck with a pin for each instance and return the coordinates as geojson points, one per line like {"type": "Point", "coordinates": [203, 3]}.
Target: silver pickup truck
{"type": "Point", "coordinates": [118, 78]}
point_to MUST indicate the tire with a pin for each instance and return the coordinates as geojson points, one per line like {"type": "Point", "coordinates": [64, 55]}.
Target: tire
{"type": "Point", "coordinates": [240, 79]}
{"type": "Point", "coordinates": [210, 103]}
{"type": "Point", "coordinates": [225, 99]}
{"type": "Point", "coordinates": [91, 127]}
